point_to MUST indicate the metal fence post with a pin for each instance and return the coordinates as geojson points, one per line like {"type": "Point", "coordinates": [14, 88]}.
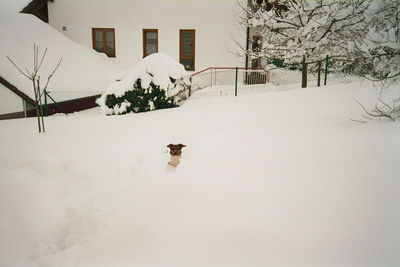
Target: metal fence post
{"type": "Point", "coordinates": [304, 73]}
{"type": "Point", "coordinates": [236, 79]}
{"type": "Point", "coordinates": [326, 70]}
{"type": "Point", "coordinates": [319, 74]}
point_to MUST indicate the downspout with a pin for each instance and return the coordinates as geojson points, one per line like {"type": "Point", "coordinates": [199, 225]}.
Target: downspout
{"type": "Point", "coordinates": [247, 40]}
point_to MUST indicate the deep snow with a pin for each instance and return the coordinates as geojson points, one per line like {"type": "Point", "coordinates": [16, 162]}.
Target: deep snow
{"type": "Point", "coordinates": [83, 71]}
{"type": "Point", "coordinates": [274, 179]}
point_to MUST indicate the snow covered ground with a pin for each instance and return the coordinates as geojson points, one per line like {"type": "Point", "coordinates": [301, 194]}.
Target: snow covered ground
{"type": "Point", "coordinates": [274, 179]}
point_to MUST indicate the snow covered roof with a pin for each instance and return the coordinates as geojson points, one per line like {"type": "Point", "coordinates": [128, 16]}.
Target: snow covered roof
{"type": "Point", "coordinates": [82, 69]}
{"type": "Point", "coordinates": [13, 6]}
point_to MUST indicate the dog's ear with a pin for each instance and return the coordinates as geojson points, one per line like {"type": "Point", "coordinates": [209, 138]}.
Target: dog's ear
{"type": "Point", "coordinates": [170, 145]}
{"type": "Point", "coordinates": [181, 145]}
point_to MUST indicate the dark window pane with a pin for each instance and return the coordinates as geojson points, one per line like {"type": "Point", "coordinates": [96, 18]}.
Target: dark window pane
{"type": "Point", "coordinates": [150, 42]}
{"type": "Point", "coordinates": [109, 36]}
{"type": "Point", "coordinates": [99, 36]}
{"type": "Point", "coordinates": [110, 50]}
{"type": "Point", "coordinates": [187, 37]}
{"type": "Point", "coordinates": [188, 63]}
{"type": "Point", "coordinates": [187, 49]}
{"type": "Point", "coordinates": [151, 36]}
{"type": "Point", "coordinates": [104, 41]}
{"type": "Point", "coordinates": [111, 44]}
{"type": "Point", "coordinates": [100, 47]}
{"type": "Point", "coordinates": [150, 49]}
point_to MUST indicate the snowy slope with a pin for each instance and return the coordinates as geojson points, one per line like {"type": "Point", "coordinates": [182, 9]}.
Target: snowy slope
{"type": "Point", "coordinates": [13, 6]}
{"type": "Point", "coordinates": [82, 69]}
{"type": "Point", "coordinates": [275, 179]}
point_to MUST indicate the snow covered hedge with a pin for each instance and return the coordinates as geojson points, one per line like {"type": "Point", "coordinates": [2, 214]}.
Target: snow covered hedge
{"type": "Point", "coordinates": [156, 82]}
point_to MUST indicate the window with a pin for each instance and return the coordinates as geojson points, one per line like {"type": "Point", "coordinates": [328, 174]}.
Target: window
{"type": "Point", "coordinates": [150, 41]}
{"type": "Point", "coordinates": [104, 41]}
{"type": "Point", "coordinates": [187, 48]}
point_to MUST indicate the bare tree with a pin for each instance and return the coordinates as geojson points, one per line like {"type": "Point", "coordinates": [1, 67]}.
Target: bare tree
{"type": "Point", "coordinates": [35, 78]}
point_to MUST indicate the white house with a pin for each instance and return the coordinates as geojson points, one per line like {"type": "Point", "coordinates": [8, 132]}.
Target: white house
{"type": "Point", "coordinates": [197, 33]}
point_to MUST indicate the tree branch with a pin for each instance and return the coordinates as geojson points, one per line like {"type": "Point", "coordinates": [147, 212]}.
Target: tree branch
{"type": "Point", "coordinates": [51, 74]}
{"type": "Point", "coordinates": [26, 75]}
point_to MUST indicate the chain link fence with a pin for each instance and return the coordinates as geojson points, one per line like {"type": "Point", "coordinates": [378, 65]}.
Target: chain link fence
{"type": "Point", "coordinates": [242, 81]}
{"type": "Point", "coordinates": [61, 96]}
{"type": "Point", "coordinates": [68, 101]}
{"type": "Point", "coordinates": [231, 81]}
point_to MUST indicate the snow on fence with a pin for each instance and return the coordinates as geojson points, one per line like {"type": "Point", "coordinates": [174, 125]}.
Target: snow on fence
{"type": "Point", "coordinates": [231, 81]}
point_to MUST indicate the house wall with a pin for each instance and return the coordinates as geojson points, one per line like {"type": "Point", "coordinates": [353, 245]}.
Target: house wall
{"type": "Point", "coordinates": [215, 23]}
{"type": "Point", "coordinates": [10, 102]}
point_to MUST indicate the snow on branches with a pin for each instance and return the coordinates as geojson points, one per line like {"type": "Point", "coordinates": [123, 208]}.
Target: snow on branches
{"type": "Point", "coordinates": [379, 51]}
{"type": "Point", "coordinates": [312, 29]}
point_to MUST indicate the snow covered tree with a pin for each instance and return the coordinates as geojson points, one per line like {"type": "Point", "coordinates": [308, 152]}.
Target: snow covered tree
{"type": "Point", "coordinates": [377, 56]}
{"type": "Point", "coordinates": [295, 29]}
{"type": "Point", "coordinates": [361, 35]}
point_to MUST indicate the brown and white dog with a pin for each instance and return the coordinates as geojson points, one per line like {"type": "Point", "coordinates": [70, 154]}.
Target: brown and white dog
{"type": "Point", "coordinates": [175, 151]}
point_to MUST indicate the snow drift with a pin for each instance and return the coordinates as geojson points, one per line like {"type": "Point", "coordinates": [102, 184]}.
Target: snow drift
{"type": "Point", "coordinates": [274, 179]}
{"type": "Point", "coordinates": [156, 69]}
{"type": "Point", "coordinates": [82, 69]}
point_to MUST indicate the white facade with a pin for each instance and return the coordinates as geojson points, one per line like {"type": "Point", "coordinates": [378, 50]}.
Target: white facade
{"type": "Point", "coordinates": [10, 102]}
{"type": "Point", "coordinates": [214, 21]}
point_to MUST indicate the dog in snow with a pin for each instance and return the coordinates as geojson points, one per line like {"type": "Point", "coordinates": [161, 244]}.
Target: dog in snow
{"type": "Point", "coordinates": [175, 152]}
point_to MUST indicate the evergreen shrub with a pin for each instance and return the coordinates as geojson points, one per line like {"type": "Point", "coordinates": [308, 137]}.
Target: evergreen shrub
{"type": "Point", "coordinates": [141, 100]}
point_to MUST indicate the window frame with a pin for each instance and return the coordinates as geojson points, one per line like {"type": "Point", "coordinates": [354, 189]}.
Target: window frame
{"type": "Point", "coordinates": [104, 30]}
{"type": "Point", "coordinates": [181, 56]}
{"type": "Point", "coordinates": [145, 40]}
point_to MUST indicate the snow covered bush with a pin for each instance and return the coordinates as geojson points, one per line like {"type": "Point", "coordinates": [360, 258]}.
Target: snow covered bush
{"type": "Point", "coordinates": [156, 82]}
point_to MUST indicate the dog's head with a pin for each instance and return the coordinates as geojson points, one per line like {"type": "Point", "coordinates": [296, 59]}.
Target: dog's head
{"type": "Point", "coordinates": [175, 150]}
